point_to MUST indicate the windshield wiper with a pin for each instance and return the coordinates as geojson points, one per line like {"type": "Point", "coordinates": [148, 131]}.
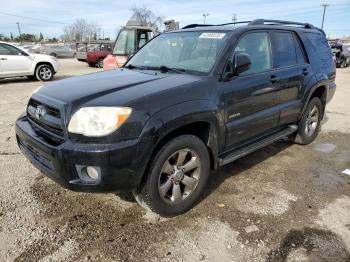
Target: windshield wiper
{"type": "Point", "coordinates": [166, 69]}
{"type": "Point", "coordinates": [130, 66]}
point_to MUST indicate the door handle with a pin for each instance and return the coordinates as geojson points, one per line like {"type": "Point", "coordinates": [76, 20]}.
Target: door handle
{"type": "Point", "coordinates": [274, 79]}
{"type": "Point", "coordinates": [3, 58]}
{"type": "Point", "coordinates": [305, 71]}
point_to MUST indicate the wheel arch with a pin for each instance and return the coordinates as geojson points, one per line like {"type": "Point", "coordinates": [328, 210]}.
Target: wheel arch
{"type": "Point", "coordinates": [320, 90]}
{"type": "Point", "coordinates": [43, 63]}
{"type": "Point", "coordinates": [199, 118]}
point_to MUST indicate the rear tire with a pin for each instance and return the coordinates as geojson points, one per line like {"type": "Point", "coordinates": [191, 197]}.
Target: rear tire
{"type": "Point", "coordinates": [310, 123]}
{"type": "Point", "coordinates": [92, 65]}
{"type": "Point", "coordinates": [176, 177]}
{"type": "Point", "coordinates": [44, 72]}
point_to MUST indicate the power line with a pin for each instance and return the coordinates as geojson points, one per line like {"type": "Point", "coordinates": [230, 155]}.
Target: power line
{"type": "Point", "coordinates": [44, 20]}
{"type": "Point", "coordinates": [33, 18]}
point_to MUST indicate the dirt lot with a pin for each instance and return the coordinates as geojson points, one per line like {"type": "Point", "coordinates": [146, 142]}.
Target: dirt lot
{"type": "Point", "coordinates": [283, 203]}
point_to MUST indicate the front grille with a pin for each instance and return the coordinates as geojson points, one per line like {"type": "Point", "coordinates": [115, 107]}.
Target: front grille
{"type": "Point", "coordinates": [48, 124]}
{"type": "Point", "coordinates": [52, 111]}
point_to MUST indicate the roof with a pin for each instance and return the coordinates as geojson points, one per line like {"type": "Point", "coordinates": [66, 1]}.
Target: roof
{"type": "Point", "coordinates": [255, 24]}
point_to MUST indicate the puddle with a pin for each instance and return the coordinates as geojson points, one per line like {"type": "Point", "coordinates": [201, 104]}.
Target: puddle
{"type": "Point", "coordinates": [324, 148]}
{"type": "Point", "coordinates": [317, 244]}
{"type": "Point", "coordinates": [328, 181]}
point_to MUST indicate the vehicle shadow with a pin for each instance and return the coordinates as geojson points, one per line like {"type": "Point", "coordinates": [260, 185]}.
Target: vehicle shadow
{"type": "Point", "coordinates": [233, 169]}
{"type": "Point", "coordinates": [24, 79]}
{"type": "Point", "coordinates": [241, 165]}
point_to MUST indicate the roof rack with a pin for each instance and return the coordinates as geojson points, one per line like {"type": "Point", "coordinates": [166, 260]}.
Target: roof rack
{"type": "Point", "coordinates": [281, 22]}
{"type": "Point", "coordinates": [256, 22]}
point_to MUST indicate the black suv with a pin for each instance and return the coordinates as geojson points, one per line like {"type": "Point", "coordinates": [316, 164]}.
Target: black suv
{"type": "Point", "coordinates": [189, 101]}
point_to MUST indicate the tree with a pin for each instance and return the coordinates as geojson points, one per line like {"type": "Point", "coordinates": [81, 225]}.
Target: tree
{"type": "Point", "coordinates": [146, 17]}
{"type": "Point", "coordinates": [41, 37]}
{"type": "Point", "coordinates": [80, 30]}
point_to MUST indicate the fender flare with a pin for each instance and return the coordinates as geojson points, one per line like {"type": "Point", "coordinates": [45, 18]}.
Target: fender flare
{"type": "Point", "coordinates": [322, 82]}
{"type": "Point", "coordinates": [180, 115]}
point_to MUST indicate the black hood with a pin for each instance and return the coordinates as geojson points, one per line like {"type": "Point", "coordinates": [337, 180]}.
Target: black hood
{"type": "Point", "coordinates": [94, 85]}
{"type": "Point", "coordinates": [151, 90]}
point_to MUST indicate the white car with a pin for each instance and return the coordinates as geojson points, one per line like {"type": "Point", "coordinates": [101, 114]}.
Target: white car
{"type": "Point", "coordinates": [15, 61]}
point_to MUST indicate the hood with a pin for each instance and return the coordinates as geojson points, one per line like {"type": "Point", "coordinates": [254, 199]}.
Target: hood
{"type": "Point", "coordinates": [118, 87]}
{"type": "Point", "coordinates": [40, 56]}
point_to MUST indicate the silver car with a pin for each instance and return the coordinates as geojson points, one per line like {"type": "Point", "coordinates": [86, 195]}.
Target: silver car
{"type": "Point", "coordinates": [65, 51]}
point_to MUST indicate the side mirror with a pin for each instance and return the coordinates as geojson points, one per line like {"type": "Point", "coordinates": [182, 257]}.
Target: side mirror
{"type": "Point", "coordinates": [241, 63]}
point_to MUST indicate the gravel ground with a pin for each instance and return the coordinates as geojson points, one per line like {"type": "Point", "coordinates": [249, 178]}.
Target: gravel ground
{"type": "Point", "coordinates": [283, 203]}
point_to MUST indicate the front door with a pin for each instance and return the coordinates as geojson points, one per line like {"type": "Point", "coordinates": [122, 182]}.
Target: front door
{"type": "Point", "coordinates": [251, 101]}
{"type": "Point", "coordinates": [14, 62]}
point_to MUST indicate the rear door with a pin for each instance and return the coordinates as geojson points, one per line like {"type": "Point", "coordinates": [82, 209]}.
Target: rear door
{"type": "Point", "coordinates": [292, 74]}
{"type": "Point", "coordinates": [251, 106]}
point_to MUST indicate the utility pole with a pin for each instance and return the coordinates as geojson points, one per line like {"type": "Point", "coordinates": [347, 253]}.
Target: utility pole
{"type": "Point", "coordinates": [205, 16]}
{"type": "Point", "coordinates": [19, 31]}
{"type": "Point", "coordinates": [234, 19]}
{"type": "Point", "coordinates": [324, 13]}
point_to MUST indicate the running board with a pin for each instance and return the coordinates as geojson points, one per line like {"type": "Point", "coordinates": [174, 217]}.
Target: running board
{"type": "Point", "coordinates": [246, 150]}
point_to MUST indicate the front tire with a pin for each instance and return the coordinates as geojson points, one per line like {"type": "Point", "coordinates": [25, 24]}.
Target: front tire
{"type": "Point", "coordinates": [176, 177]}
{"type": "Point", "coordinates": [309, 125]}
{"type": "Point", "coordinates": [44, 72]}
{"type": "Point", "coordinates": [100, 63]}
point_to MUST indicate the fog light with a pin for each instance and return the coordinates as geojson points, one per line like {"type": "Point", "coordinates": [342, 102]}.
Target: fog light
{"type": "Point", "coordinates": [93, 172]}
{"type": "Point", "coordinates": [89, 174]}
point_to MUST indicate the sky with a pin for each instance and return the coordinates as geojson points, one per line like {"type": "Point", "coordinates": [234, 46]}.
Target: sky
{"type": "Point", "coordinates": [51, 16]}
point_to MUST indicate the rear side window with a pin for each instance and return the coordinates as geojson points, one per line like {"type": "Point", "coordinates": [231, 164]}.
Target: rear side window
{"type": "Point", "coordinates": [321, 47]}
{"type": "Point", "coordinates": [284, 46]}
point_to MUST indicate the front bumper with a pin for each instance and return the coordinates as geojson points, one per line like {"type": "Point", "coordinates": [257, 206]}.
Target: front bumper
{"type": "Point", "coordinates": [122, 164]}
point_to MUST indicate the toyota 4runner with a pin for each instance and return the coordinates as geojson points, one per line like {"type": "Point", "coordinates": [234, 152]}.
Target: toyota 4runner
{"type": "Point", "coordinates": [186, 103]}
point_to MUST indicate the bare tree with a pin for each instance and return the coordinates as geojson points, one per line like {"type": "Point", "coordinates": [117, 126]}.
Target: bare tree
{"type": "Point", "coordinates": [146, 17]}
{"type": "Point", "coordinates": [80, 30]}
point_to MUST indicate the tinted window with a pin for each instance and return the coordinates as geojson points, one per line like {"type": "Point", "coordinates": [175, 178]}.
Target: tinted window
{"type": "Point", "coordinates": [284, 49]}
{"type": "Point", "coordinates": [301, 59]}
{"type": "Point", "coordinates": [321, 47]}
{"type": "Point", "coordinates": [9, 50]}
{"type": "Point", "coordinates": [257, 46]}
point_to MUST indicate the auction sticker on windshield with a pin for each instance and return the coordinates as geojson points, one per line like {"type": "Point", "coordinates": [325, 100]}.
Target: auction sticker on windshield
{"type": "Point", "coordinates": [212, 35]}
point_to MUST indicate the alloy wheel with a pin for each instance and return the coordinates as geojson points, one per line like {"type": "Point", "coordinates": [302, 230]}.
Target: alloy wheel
{"type": "Point", "coordinates": [312, 121]}
{"type": "Point", "coordinates": [179, 176]}
{"type": "Point", "coordinates": [45, 73]}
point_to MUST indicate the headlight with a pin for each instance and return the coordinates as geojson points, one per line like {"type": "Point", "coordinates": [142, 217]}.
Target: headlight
{"type": "Point", "coordinates": [98, 121]}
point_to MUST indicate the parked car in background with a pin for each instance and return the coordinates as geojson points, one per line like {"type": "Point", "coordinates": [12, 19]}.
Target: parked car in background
{"type": "Point", "coordinates": [341, 53]}
{"type": "Point", "coordinates": [97, 53]}
{"type": "Point", "coordinates": [80, 51]}
{"type": "Point", "coordinates": [58, 50]}
{"type": "Point", "coordinates": [92, 46]}
{"type": "Point", "coordinates": [129, 40]}
{"type": "Point", "coordinates": [186, 103]}
{"type": "Point", "coordinates": [15, 61]}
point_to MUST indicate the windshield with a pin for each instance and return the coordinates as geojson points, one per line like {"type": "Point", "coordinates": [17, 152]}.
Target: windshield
{"type": "Point", "coordinates": [192, 51]}
{"type": "Point", "coordinates": [125, 43]}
